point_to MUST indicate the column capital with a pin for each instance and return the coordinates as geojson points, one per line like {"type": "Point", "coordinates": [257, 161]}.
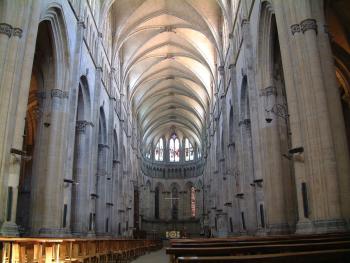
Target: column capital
{"type": "Point", "coordinates": [308, 24]}
{"type": "Point", "coordinates": [6, 29]}
{"type": "Point", "coordinates": [101, 146]}
{"type": "Point", "coordinates": [81, 126]}
{"type": "Point", "coordinates": [270, 90]}
{"type": "Point", "coordinates": [295, 28]}
{"type": "Point", "coordinates": [59, 94]}
{"type": "Point", "coordinates": [9, 30]}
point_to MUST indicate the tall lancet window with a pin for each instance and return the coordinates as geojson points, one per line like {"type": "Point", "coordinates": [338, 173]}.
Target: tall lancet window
{"type": "Point", "coordinates": [159, 151]}
{"type": "Point", "coordinates": [193, 202]}
{"type": "Point", "coordinates": [174, 149]}
{"type": "Point", "coordinates": [189, 153]}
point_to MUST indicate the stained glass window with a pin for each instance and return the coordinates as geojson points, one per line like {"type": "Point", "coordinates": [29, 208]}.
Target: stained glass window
{"type": "Point", "coordinates": [174, 149]}
{"type": "Point", "coordinates": [193, 202]}
{"type": "Point", "coordinates": [159, 151]}
{"type": "Point", "coordinates": [189, 152]}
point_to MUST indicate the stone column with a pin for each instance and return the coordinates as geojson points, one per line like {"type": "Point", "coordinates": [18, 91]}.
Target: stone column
{"type": "Point", "coordinates": [95, 105]}
{"type": "Point", "coordinates": [252, 141]}
{"type": "Point", "coordinates": [72, 108]}
{"type": "Point", "coordinates": [335, 110]}
{"type": "Point", "coordinates": [80, 193]}
{"type": "Point", "coordinates": [116, 193]}
{"type": "Point", "coordinates": [273, 169]}
{"type": "Point", "coordinates": [18, 29]}
{"type": "Point", "coordinates": [320, 150]}
{"type": "Point", "coordinates": [101, 189]}
{"type": "Point", "coordinates": [51, 196]}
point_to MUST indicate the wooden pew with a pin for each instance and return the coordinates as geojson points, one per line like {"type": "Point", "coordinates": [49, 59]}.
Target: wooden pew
{"type": "Point", "coordinates": [261, 249]}
{"type": "Point", "coordinates": [257, 245]}
{"type": "Point", "coordinates": [323, 256]}
{"type": "Point", "coordinates": [220, 243]}
{"type": "Point", "coordinates": [73, 250]}
{"type": "Point", "coordinates": [342, 235]}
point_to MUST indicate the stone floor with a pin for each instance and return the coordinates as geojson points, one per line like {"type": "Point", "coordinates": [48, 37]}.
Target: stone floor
{"type": "Point", "coordinates": [154, 257]}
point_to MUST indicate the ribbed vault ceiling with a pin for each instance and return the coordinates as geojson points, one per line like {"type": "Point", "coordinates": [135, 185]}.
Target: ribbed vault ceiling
{"type": "Point", "coordinates": [168, 50]}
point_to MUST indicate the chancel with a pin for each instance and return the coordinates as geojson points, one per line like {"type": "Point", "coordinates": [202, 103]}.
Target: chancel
{"type": "Point", "coordinates": [207, 124]}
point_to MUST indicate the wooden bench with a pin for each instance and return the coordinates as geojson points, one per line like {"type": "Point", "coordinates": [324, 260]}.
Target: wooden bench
{"type": "Point", "coordinates": [264, 249]}
{"type": "Point", "coordinates": [343, 235]}
{"type": "Point", "coordinates": [80, 250]}
{"type": "Point", "coordinates": [258, 245]}
{"type": "Point", "coordinates": [257, 242]}
{"type": "Point", "coordinates": [323, 256]}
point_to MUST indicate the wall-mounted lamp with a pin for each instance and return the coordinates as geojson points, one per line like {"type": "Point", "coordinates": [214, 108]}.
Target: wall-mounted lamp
{"type": "Point", "coordinates": [296, 150]}
{"type": "Point", "coordinates": [21, 153]}
{"type": "Point", "coordinates": [258, 182]}
{"type": "Point", "coordinates": [240, 195]}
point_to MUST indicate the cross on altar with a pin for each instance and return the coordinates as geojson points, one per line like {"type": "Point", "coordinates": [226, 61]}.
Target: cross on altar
{"type": "Point", "coordinates": [174, 197]}
{"type": "Point", "coordinates": [171, 198]}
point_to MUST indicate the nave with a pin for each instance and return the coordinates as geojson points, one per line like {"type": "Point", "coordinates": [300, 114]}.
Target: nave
{"type": "Point", "coordinates": [124, 123]}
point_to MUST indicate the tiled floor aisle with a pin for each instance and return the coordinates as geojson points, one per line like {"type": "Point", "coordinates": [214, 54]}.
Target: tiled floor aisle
{"type": "Point", "coordinates": [154, 257]}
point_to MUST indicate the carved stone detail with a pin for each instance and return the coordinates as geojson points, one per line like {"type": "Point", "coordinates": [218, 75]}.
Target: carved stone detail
{"type": "Point", "coordinates": [221, 70]}
{"type": "Point", "coordinates": [245, 122]}
{"type": "Point", "coordinates": [269, 91]}
{"type": "Point", "coordinates": [169, 28]}
{"type": "Point", "coordinates": [308, 24]}
{"type": "Point", "coordinates": [244, 22]}
{"type": "Point", "coordinates": [82, 24]}
{"type": "Point", "coordinates": [17, 32]}
{"type": "Point", "coordinates": [8, 30]}
{"type": "Point", "coordinates": [295, 28]}
{"type": "Point", "coordinates": [59, 94]}
{"type": "Point", "coordinates": [101, 146]}
{"type": "Point", "coordinates": [81, 126]}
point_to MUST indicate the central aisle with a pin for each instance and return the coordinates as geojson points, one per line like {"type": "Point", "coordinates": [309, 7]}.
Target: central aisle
{"type": "Point", "coordinates": [154, 257]}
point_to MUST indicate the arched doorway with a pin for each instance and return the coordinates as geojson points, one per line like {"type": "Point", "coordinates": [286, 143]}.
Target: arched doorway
{"type": "Point", "coordinates": [37, 132]}
{"type": "Point", "coordinates": [102, 213]}
{"type": "Point", "coordinates": [80, 201]}
{"type": "Point", "coordinates": [337, 15]}
{"type": "Point", "coordinates": [337, 18]}
{"type": "Point", "coordinates": [247, 204]}
{"type": "Point", "coordinates": [278, 180]}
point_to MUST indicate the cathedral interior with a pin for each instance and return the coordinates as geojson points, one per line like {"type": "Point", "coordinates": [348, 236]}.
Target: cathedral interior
{"type": "Point", "coordinates": [204, 118]}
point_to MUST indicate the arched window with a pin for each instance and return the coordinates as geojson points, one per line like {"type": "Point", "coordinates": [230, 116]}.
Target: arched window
{"type": "Point", "coordinates": [148, 154]}
{"type": "Point", "coordinates": [189, 152]}
{"type": "Point", "coordinates": [159, 151]}
{"type": "Point", "coordinates": [174, 149]}
{"type": "Point", "coordinates": [199, 154]}
{"type": "Point", "coordinates": [193, 202]}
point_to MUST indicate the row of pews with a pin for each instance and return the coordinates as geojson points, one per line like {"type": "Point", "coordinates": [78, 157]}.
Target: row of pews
{"type": "Point", "coordinates": [328, 248]}
{"type": "Point", "coordinates": [40, 250]}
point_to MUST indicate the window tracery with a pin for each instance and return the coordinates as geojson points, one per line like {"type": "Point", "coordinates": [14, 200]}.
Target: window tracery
{"type": "Point", "coordinates": [174, 148]}
{"type": "Point", "coordinates": [159, 151]}
{"type": "Point", "coordinates": [189, 152]}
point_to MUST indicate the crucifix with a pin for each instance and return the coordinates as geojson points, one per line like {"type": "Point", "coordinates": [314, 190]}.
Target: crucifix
{"type": "Point", "coordinates": [174, 203]}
